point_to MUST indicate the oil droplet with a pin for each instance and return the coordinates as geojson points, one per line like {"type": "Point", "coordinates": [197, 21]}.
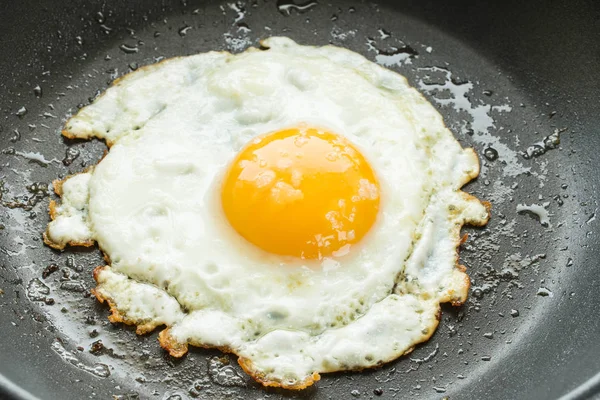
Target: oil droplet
{"type": "Point", "coordinates": [49, 270]}
{"type": "Point", "coordinates": [243, 27]}
{"type": "Point", "coordinates": [383, 34]}
{"type": "Point", "coordinates": [548, 143]}
{"type": "Point", "coordinates": [70, 155]}
{"type": "Point", "coordinates": [175, 396]}
{"type": "Point", "coordinates": [558, 200]}
{"type": "Point", "coordinates": [490, 153]}
{"type": "Point", "coordinates": [395, 56]}
{"type": "Point", "coordinates": [100, 17]}
{"type": "Point", "coordinates": [21, 112]}
{"type": "Point", "coordinates": [222, 373]}
{"type": "Point", "coordinates": [287, 6]}
{"type": "Point", "coordinates": [16, 136]}
{"type": "Point", "coordinates": [37, 290]}
{"type": "Point", "coordinates": [106, 29]}
{"type": "Point", "coordinates": [73, 286]}
{"type": "Point", "coordinates": [70, 263]}
{"type": "Point", "coordinates": [552, 141]}
{"type": "Point", "coordinates": [545, 292]}
{"type": "Point", "coordinates": [97, 369]}
{"type": "Point", "coordinates": [100, 370]}
{"type": "Point", "coordinates": [129, 49]}
{"type": "Point", "coordinates": [570, 262]}
{"type": "Point", "coordinates": [183, 31]}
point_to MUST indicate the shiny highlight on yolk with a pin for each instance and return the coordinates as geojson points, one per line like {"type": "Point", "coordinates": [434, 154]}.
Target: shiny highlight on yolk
{"type": "Point", "coordinates": [301, 192]}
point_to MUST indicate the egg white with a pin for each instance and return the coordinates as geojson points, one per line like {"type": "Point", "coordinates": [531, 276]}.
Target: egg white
{"type": "Point", "coordinates": [152, 205]}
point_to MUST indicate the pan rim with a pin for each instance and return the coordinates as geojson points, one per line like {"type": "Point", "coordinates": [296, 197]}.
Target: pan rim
{"type": "Point", "coordinates": [585, 390]}
{"type": "Point", "coordinates": [11, 391]}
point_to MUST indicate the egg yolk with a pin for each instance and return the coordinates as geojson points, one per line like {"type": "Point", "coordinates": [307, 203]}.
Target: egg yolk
{"type": "Point", "coordinates": [301, 192]}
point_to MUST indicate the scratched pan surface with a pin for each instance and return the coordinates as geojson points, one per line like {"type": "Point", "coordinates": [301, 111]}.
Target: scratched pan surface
{"type": "Point", "coordinates": [517, 82]}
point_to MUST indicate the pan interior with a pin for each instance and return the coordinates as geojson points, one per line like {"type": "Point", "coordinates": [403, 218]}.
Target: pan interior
{"type": "Point", "coordinates": [499, 89]}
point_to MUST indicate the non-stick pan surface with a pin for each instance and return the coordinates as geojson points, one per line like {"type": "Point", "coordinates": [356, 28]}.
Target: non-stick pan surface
{"type": "Point", "coordinates": [512, 79]}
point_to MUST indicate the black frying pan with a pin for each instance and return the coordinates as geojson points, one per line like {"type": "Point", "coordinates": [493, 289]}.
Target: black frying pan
{"type": "Point", "coordinates": [530, 328]}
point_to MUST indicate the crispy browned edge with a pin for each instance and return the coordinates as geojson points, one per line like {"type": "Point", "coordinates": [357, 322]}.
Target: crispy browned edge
{"type": "Point", "coordinates": [460, 299]}
{"type": "Point", "coordinates": [58, 184]}
{"type": "Point", "coordinates": [116, 316]}
{"type": "Point", "coordinates": [177, 349]}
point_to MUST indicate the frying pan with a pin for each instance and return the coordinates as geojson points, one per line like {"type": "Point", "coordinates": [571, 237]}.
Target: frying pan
{"type": "Point", "coordinates": [518, 81]}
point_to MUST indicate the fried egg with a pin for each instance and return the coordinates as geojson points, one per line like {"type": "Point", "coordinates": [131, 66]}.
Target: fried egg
{"type": "Point", "coordinates": [297, 206]}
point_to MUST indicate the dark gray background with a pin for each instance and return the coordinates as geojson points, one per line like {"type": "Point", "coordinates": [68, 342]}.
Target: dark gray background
{"type": "Point", "coordinates": [538, 58]}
